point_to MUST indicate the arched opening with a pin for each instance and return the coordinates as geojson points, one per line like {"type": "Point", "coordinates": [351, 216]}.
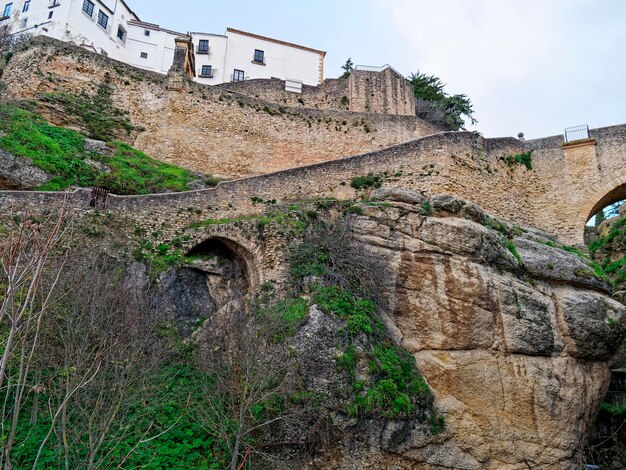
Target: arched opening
{"type": "Point", "coordinates": [215, 273]}
{"type": "Point", "coordinates": [605, 213]}
{"type": "Point", "coordinates": [227, 259]}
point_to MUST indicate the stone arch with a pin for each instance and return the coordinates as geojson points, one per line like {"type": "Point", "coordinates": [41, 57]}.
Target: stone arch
{"type": "Point", "coordinates": [233, 251]}
{"type": "Point", "coordinates": [598, 196]}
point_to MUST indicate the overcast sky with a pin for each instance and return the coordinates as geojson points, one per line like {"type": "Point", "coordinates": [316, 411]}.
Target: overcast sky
{"type": "Point", "coordinates": [535, 66]}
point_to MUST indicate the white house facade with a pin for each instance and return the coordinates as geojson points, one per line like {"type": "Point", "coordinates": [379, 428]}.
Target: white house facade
{"type": "Point", "coordinates": [110, 27]}
{"type": "Point", "coordinates": [99, 25]}
{"type": "Point", "coordinates": [239, 55]}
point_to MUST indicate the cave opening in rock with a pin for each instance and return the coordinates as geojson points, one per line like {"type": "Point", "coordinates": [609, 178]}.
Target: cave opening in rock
{"type": "Point", "coordinates": [227, 260]}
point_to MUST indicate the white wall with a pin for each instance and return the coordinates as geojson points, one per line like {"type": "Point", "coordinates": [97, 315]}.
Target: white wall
{"type": "Point", "coordinates": [159, 46]}
{"type": "Point", "coordinates": [70, 23]}
{"type": "Point", "coordinates": [281, 61]}
{"type": "Point", "coordinates": [215, 58]}
{"type": "Point", "coordinates": [233, 51]}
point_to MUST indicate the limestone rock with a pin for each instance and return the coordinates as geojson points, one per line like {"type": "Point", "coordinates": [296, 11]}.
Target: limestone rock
{"type": "Point", "coordinates": [185, 296]}
{"type": "Point", "coordinates": [546, 262]}
{"type": "Point", "coordinates": [406, 196]}
{"type": "Point", "coordinates": [595, 324]}
{"type": "Point", "coordinates": [20, 173]}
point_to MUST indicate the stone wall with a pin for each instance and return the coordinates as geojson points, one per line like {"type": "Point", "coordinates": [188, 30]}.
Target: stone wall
{"type": "Point", "coordinates": [385, 92]}
{"type": "Point", "coordinates": [200, 127]}
{"type": "Point", "coordinates": [331, 94]}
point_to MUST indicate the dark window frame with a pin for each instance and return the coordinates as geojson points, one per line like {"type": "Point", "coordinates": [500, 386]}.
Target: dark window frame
{"type": "Point", "coordinates": [7, 10]}
{"type": "Point", "coordinates": [239, 75]}
{"type": "Point", "coordinates": [146, 32]}
{"type": "Point", "coordinates": [203, 50]}
{"type": "Point", "coordinates": [143, 55]}
{"type": "Point", "coordinates": [26, 6]}
{"type": "Point", "coordinates": [88, 8]}
{"type": "Point", "coordinates": [259, 56]}
{"type": "Point", "coordinates": [124, 33]}
{"type": "Point", "coordinates": [102, 15]}
{"type": "Point", "coordinates": [206, 68]}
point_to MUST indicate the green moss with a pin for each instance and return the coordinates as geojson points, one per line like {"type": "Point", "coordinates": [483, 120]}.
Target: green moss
{"type": "Point", "coordinates": [96, 112]}
{"type": "Point", "coordinates": [616, 410]}
{"type": "Point", "coordinates": [511, 246]}
{"type": "Point", "coordinates": [60, 152]}
{"type": "Point", "coordinates": [368, 181]}
{"type": "Point", "coordinates": [209, 222]}
{"type": "Point", "coordinates": [284, 318]}
{"type": "Point", "coordinates": [524, 159]}
{"type": "Point", "coordinates": [427, 208]}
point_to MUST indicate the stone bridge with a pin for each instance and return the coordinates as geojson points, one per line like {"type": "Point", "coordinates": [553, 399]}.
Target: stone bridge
{"type": "Point", "coordinates": [567, 184]}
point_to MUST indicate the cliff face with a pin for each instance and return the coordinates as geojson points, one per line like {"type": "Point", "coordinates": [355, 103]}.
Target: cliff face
{"type": "Point", "coordinates": [514, 349]}
{"type": "Point", "coordinates": [512, 335]}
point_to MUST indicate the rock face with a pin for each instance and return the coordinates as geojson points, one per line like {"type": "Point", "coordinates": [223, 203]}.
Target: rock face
{"type": "Point", "coordinates": [20, 173]}
{"type": "Point", "coordinates": [515, 349]}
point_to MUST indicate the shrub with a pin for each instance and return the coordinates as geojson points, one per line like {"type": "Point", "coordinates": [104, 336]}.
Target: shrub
{"type": "Point", "coordinates": [367, 181]}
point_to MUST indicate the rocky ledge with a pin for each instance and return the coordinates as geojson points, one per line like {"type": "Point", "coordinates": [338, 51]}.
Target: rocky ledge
{"type": "Point", "coordinates": [512, 333]}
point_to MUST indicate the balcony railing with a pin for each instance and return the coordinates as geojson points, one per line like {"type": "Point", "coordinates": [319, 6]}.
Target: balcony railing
{"type": "Point", "coordinates": [237, 78]}
{"type": "Point", "coordinates": [575, 133]}
{"type": "Point", "coordinates": [205, 51]}
{"type": "Point", "coordinates": [207, 75]}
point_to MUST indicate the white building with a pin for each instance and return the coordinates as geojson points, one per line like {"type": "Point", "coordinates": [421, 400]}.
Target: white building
{"type": "Point", "coordinates": [238, 56]}
{"type": "Point", "coordinates": [110, 27]}
{"type": "Point", "coordinates": [99, 25]}
{"type": "Point", "coordinates": [150, 47]}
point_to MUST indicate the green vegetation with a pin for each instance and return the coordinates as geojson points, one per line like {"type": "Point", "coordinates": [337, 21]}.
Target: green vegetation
{"type": "Point", "coordinates": [282, 319]}
{"type": "Point", "coordinates": [435, 105]}
{"type": "Point", "coordinates": [525, 159]}
{"type": "Point", "coordinates": [60, 152]}
{"type": "Point", "coordinates": [427, 208]}
{"type": "Point", "coordinates": [604, 250]}
{"type": "Point", "coordinates": [347, 68]}
{"type": "Point", "coordinates": [97, 113]}
{"type": "Point", "coordinates": [166, 404]}
{"type": "Point", "coordinates": [511, 247]}
{"type": "Point", "coordinates": [342, 282]}
{"type": "Point", "coordinates": [368, 181]}
{"type": "Point", "coordinates": [616, 410]}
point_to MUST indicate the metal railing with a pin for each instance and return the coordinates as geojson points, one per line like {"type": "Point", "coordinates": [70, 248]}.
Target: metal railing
{"type": "Point", "coordinates": [237, 78]}
{"type": "Point", "coordinates": [206, 51]}
{"type": "Point", "coordinates": [372, 68]}
{"type": "Point", "coordinates": [575, 133]}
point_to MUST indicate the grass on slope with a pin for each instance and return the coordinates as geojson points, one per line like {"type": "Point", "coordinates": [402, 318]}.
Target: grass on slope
{"type": "Point", "coordinates": [60, 152]}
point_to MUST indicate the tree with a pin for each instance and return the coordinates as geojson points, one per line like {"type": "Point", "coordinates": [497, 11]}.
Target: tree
{"type": "Point", "coordinates": [347, 68]}
{"type": "Point", "coordinates": [247, 391]}
{"type": "Point", "coordinates": [436, 106]}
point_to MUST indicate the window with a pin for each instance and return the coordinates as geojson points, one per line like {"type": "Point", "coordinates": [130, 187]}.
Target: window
{"type": "Point", "coordinates": [26, 6]}
{"type": "Point", "coordinates": [7, 10]}
{"type": "Point", "coordinates": [207, 71]}
{"type": "Point", "coordinates": [144, 55]}
{"type": "Point", "coordinates": [146, 32]}
{"type": "Point", "coordinates": [88, 7]}
{"type": "Point", "coordinates": [203, 46]}
{"type": "Point", "coordinates": [259, 56]}
{"type": "Point", "coordinates": [50, 15]}
{"type": "Point", "coordinates": [238, 76]}
{"type": "Point", "coordinates": [121, 34]}
{"type": "Point", "coordinates": [103, 19]}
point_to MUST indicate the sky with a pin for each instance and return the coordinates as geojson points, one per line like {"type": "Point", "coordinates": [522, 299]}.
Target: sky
{"type": "Point", "coordinates": [532, 66]}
